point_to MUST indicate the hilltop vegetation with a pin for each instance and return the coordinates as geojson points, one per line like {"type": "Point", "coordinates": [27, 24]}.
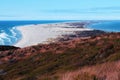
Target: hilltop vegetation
{"type": "Point", "coordinates": [69, 60]}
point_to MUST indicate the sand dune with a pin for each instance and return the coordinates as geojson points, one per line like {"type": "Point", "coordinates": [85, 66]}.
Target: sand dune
{"type": "Point", "coordinates": [34, 34]}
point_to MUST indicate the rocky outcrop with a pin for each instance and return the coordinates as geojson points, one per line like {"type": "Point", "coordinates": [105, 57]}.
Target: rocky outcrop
{"type": "Point", "coordinates": [81, 34]}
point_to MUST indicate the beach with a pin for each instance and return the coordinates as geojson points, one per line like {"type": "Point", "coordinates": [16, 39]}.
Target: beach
{"type": "Point", "coordinates": [45, 33]}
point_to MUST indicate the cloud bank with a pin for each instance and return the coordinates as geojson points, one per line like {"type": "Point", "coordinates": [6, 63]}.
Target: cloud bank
{"type": "Point", "coordinates": [90, 10]}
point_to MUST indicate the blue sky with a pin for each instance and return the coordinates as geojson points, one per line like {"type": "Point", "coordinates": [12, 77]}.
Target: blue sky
{"type": "Point", "coordinates": [59, 9]}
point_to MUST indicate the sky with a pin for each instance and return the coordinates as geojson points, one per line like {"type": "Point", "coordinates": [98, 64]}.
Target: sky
{"type": "Point", "coordinates": [59, 9]}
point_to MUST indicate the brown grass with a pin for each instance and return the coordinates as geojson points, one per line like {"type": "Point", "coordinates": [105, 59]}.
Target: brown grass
{"type": "Point", "coordinates": [106, 71]}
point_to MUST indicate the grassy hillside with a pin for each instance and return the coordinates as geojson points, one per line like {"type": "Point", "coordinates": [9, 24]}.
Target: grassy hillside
{"type": "Point", "coordinates": [52, 64]}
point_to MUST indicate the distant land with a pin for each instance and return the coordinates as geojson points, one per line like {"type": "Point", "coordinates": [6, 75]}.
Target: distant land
{"type": "Point", "coordinates": [19, 33]}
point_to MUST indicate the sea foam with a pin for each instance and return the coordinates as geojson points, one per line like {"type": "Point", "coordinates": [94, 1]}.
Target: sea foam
{"type": "Point", "coordinates": [9, 36]}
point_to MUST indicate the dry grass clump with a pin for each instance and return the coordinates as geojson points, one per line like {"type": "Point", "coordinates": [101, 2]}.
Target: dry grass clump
{"type": "Point", "coordinates": [106, 71]}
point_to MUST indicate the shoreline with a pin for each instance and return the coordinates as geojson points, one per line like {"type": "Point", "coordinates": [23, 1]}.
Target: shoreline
{"type": "Point", "coordinates": [45, 33]}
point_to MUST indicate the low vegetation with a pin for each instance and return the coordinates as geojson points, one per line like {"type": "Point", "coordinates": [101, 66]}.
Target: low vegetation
{"type": "Point", "coordinates": [50, 65]}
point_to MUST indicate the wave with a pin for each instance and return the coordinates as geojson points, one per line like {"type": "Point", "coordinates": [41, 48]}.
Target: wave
{"type": "Point", "coordinates": [9, 36]}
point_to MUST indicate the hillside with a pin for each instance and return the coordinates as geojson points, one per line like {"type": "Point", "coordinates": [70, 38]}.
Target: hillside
{"type": "Point", "coordinates": [90, 58]}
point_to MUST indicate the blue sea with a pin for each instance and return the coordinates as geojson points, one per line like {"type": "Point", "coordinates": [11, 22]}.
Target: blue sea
{"type": "Point", "coordinates": [9, 35]}
{"type": "Point", "coordinates": [108, 25]}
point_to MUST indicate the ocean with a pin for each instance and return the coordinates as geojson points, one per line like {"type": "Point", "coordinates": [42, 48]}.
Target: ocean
{"type": "Point", "coordinates": [9, 35]}
{"type": "Point", "coordinates": [108, 25]}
